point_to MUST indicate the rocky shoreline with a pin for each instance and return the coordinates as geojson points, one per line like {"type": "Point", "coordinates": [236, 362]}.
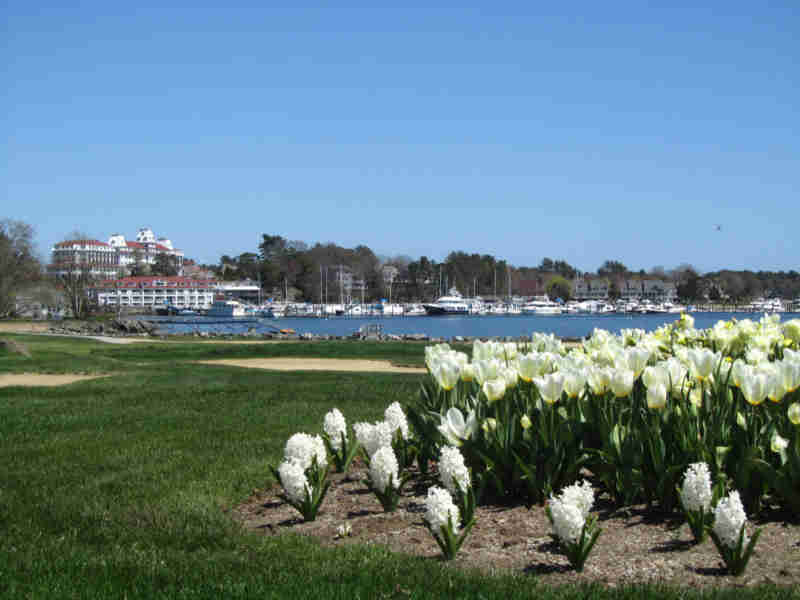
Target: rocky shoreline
{"type": "Point", "coordinates": [148, 329]}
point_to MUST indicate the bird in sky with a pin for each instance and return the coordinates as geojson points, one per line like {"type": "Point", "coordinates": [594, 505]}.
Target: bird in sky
{"type": "Point", "coordinates": [717, 227]}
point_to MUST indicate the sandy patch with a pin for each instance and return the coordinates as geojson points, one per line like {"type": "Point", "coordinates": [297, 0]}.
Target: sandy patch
{"type": "Point", "coordinates": [315, 364]}
{"type": "Point", "coordinates": [23, 327]}
{"type": "Point", "coordinates": [40, 379]}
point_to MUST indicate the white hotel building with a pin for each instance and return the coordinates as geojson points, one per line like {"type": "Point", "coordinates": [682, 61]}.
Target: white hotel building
{"type": "Point", "coordinates": [108, 259]}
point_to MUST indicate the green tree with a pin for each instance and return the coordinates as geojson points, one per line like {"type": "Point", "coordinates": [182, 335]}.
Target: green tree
{"type": "Point", "coordinates": [165, 265]}
{"type": "Point", "coordinates": [612, 267]}
{"type": "Point", "coordinates": [558, 287]}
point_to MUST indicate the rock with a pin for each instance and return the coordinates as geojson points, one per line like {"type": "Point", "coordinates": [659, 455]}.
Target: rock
{"type": "Point", "coordinates": [15, 347]}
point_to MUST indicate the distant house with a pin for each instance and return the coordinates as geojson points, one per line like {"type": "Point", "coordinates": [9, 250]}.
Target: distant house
{"type": "Point", "coordinates": [648, 289]}
{"type": "Point", "coordinates": [590, 289]}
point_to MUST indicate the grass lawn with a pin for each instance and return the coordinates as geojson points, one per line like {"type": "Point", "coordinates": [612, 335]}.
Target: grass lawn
{"type": "Point", "coordinates": [118, 487]}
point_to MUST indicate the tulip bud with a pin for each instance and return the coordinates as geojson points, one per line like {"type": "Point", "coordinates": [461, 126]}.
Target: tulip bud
{"type": "Point", "coordinates": [525, 422]}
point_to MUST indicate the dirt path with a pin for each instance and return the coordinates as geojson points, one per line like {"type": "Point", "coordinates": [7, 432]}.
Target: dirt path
{"type": "Point", "coordinates": [24, 327]}
{"type": "Point", "coordinates": [316, 364]}
{"type": "Point", "coordinates": [39, 379]}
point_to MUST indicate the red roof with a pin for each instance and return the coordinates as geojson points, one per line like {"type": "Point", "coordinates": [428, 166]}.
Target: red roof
{"type": "Point", "coordinates": [70, 243]}
{"type": "Point", "coordinates": [150, 281]}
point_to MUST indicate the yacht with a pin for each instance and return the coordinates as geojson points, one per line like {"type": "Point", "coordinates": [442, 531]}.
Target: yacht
{"type": "Point", "coordinates": [541, 306]}
{"type": "Point", "coordinates": [452, 304]}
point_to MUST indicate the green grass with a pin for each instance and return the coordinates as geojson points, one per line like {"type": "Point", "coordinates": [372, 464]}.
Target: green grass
{"type": "Point", "coordinates": [118, 487]}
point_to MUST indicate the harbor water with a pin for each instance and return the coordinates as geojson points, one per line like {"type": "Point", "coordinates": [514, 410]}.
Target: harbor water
{"type": "Point", "coordinates": [446, 327]}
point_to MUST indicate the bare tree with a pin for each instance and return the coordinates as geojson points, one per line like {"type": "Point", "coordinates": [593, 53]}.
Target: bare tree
{"type": "Point", "coordinates": [75, 275]}
{"type": "Point", "coordinates": [18, 263]}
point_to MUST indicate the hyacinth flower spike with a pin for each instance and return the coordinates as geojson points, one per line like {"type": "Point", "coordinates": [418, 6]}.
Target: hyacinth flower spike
{"type": "Point", "coordinates": [442, 520]}
{"type": "Point", "coordinates": [697, 499]}
{"type": "Point", "coordinates": [304, 495]}
{"type": "Point", "coordinates": [337, 443]}
{"type": "Point", "coordinates": [729, 534]}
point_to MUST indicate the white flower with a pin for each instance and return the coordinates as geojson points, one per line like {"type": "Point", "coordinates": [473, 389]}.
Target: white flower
{"type": "Point", "coordinates": [344, 530]}
{"type": "Point", "coordinates": [729, 518]}
{"type": "Point", "coordinates": [294, 481]}
{"type": "Point", "coordinates": [373, 436]}
{"type": "Point", "coordinates": [567, 520]}
{"type": "Point", "coordinates": [793, 412]}
{"type": "Point", "coordinates": [452, 470]}
{"type": "Point", "coordinates": [696, 489]}
{"type": "Point", "coordinates": [637, 360]}
{"type": "Point", "coordinates": [778, 444]}
{"type": "Point", "coordinates": [396, 419]}
{"type": "Point", "coordinates": [454, 429]}
{"type": "Point", "coordinates": [621, 382]}
{"type": "Point", "coordinates": [701, 362]}
{"type": "Point", "coordinates": [334, 426]}
{"type": "Point", "coordinates": [383, 469]}
{"type": "Point", "coordinates": [580, 495]}
{"type": "Point", "coordinates": [599, 379]}
{"type": "Point", "coordinates": [550, 387]}
{"type": "Point", "coordinates": [657, 396]}
{"type": "Point", "coordinates": [439, 508]}
{"type": "Point", "coordinates": [574, 383]}
{"type": "Point", "coordinates": [301, 448]}
{"type": "Point", "coordinates": [446, 372]}
{"type": "Point", "coordinates": [494, 389]}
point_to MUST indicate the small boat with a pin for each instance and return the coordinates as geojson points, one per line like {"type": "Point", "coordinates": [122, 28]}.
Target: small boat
{"type": "Point", "coordinates": [227, 308]}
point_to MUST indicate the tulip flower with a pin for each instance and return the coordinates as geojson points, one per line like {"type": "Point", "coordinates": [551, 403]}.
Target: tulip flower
{"type": "Point", "coordinates": [701, 362]}
{"type": "Point", "coordinates": [754, 388]}
{"type": "Point", "coordinates": [637, 360]}
{"type": "Point", "coordinates": [550, 387]}
{"type": "Point", "coordinates": [657, 396]}
{"type": "Point", "coordinates": [446, 372]}
{"type": "Point", "coordinates": [494, 389]}
{"type": "Point", "coordinates": [793, 412]}
{"type": "Point", "coordinates": [574, 383]}
{"type": "Point", "coordinates": [454, 429]}
{"type": "Point", "coordinates": [621, 382]}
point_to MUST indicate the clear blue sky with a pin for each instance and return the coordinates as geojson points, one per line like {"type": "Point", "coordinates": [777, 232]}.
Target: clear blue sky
{"type": "Point", "coordinates": [581, 131]}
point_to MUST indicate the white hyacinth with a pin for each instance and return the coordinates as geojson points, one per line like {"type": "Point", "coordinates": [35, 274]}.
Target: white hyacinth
{"type": "Point", "coordinates": [568, 520]}
{"type": "Point", "coordinates": [439, 507]}
{"type": "Point", "coordinates": [373, 436]}
{"type": "Point", "coordinates": [729, 518]}
{"type": "Point", "coordinates": [396, 419]}
{"type": "Point", "coordinates": [294, 481]}
{"type": "Point", "coordinates": [335, 425]}
{"type": "Point", "coordinates": [696, 489]}
{"type": "Point", "coordinates": [452, 470]}
{"type": "Point", "coordinates": [301, 448]}
{"type": "Point", "coordinates": [383, 469]}
{"type": "Point", "coordinates": [580, 495]}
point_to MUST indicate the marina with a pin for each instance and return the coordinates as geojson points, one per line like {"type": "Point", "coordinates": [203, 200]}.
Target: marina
{"type": "Point", "coordinates": [443, 327]}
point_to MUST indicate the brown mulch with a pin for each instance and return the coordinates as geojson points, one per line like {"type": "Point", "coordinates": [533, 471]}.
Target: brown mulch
{"type": "Point", "coordinates": [636, 545]}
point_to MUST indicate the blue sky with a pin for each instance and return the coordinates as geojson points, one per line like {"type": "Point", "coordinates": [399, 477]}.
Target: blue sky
{"type": "Point", "coordinates": [581, 131]}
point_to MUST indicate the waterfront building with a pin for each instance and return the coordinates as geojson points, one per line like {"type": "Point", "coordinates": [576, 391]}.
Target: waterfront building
{"type": "Point", "coordinates": [153, 292]}
{"type": "Point", "coordinates": [590, 289]}
{"type": "Point", "coordinates": [115, 257]}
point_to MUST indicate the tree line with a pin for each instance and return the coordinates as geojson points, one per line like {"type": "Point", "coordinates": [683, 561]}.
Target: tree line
{"type": "Point", "coordinates": [328, 272]}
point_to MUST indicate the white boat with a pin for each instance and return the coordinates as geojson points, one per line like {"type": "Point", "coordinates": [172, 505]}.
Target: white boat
{"type": "Point", "coordinates": [414, 310]}
{"type": "Point", "coordinates": [542, 306]}
{"type": "Point", "coordinates": [227, 308]}
{"type": "Point", "coordinates": [452, 304]}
